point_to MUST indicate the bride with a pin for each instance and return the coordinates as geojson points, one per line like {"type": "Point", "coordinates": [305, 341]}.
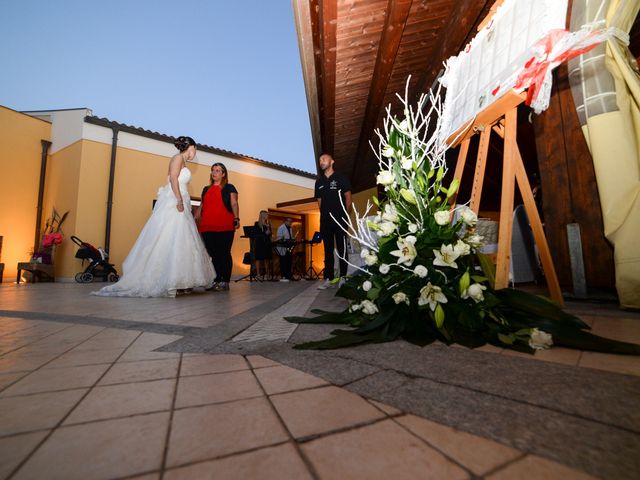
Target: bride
{"type": "Point", "coordinates": [168, 256]}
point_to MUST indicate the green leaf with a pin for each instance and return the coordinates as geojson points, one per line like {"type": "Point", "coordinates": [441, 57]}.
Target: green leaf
{"type": "Point", "coordinates": [488, 268]}
{"type": "Point", "coordinates": [507, 339]}
{"type": "Point", "coordinates": [373, 293]}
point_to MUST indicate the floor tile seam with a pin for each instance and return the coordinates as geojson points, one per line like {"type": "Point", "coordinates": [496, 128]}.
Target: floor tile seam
{"type": "Point", "coordinates": [41, 367]}
{"type": "Point", "coordinates": [491, 394]}
{"type": "Point", "coordinates": [434, 447]}
{"type": "Point", "coordinates": [64, 417]}
{"type": "Point", "coordinates": [303, 456]}
{"type": "Point", "coordinates": [36, 341]}
{"type": "Point", "coordinates": [116, 323]}
{"type": "Point", "coordinates": [26, 432]}
{"type": "Point", "coordinates": [335, 431]}
{"type": "Point", "coordinates": [24, 330]}
{"type": "Point", "coordinates": [227, 455]}
{"type": "Point", "coordinates": [167, 439]}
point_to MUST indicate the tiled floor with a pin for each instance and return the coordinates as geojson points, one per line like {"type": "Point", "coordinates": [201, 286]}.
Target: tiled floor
{"type": "Point", "coordinates": [91, 401]}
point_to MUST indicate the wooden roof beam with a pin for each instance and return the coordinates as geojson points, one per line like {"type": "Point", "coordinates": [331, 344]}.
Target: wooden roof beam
{"type": "Point", "coordinates": [395, 21]}
{"type": "Point", "coordinates": [328, 20]}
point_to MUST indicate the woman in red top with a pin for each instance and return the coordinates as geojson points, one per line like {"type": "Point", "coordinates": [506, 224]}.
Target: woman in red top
{"type": "Point", "coordinates": [218, 220]}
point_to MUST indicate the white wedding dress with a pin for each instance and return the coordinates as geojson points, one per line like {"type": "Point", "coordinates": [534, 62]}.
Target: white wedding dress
{"type": "Point", "coordinates": [168, 255]}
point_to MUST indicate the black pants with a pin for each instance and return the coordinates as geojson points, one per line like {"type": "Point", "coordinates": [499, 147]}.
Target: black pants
{"type": "Point", "coordinates": [333, 237]}
{"type": "Point", "coordinates": [285, 266]}
{"type": "Point", "coordinates": [218, 246]}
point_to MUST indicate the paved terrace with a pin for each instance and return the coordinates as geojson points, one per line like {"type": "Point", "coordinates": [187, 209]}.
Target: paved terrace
{"type": "Point", "coordinates": [208, 386]}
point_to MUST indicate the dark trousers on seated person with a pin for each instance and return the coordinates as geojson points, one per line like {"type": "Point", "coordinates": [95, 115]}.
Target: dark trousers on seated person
{"type": "Point", "coordinates": [333, 237]}
{"type": "Point", "coordinates": [218, 245]}
{"type": "Point", "coordinates": [285, 266]}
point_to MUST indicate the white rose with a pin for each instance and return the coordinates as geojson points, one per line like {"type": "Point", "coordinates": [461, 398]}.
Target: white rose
{"type": "Point", "coordinates": [371, 259]}
{"type": "Point", "coordinates": [540, 340]}
{"type": "Point", "coordinates": [364, 253]}
{"type": "Point", "coordinates": [386, 229]}
{"type": "Point", "coordinates": [461, 248]}
{"type": "Point", "coordinates": [366, 286]}
{"type": "Point", "coordinates": [474, 240]}
{"type": "Point", "coordinates": [355, 307]}
{"type": "Point", "coordinates": [421, 271]}
{"type": "Point", "coordinates": [442, 217]}
{"type": "Point", "coordinates": [406, 163]}
{"type": "Point", "coordinates": [390, 213]}
{"type": "Point", "coordinates": [384, 268]}
{"type": "Point", "coordinates": [385, 177]}
{"type": "Point", "coordinates": [388, 151]}
{"type": "Point", "coordinates": [468, 216]}
{"type": "Point", "coordinates": [369, 307]}
{"type": "Point", "coordinates": [474, 292]}
{"type": "Point", "coordinates": [400, 297]}
{"type": "Point", "coordinates": [413, 228]}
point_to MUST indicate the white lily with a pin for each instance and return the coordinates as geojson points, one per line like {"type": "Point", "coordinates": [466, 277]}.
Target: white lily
{"type": "Point", "coordinates": [406, 252]}
{"type": "Point", "coordinates": [446, 256]}
{"type": "Point", "coordinates": [431, 295]}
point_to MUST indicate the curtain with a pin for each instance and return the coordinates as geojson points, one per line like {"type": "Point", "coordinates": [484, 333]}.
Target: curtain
{"type": "Point", "coordinates": [612, 129]}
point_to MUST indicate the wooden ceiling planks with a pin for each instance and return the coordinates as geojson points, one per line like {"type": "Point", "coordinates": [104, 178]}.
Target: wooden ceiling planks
{"type": "Point", "coordinates": [364, 52]}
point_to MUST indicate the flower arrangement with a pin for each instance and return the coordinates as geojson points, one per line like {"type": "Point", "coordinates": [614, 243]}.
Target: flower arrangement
{"type": "Point", "coordinates": [51, 238]}
{"type": "Point", "coordinates": [424, 277]}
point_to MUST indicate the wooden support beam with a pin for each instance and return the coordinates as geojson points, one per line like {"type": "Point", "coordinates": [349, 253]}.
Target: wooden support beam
{"type": "Point", "coordinates": [328, 15]}
{"type": "Point", "coordinates": [481, 165]}
{"type": "Point", "coordinates": [395, 21]}
{"type": "Point", "coordinates": [506, 200]}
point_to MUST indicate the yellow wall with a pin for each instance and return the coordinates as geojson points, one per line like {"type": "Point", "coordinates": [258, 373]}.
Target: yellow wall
{"type": "Point", "coordinates": [61, 192]}
{"type": "Point", "coordinates": [77, 181]}
{"type": "Point", "coordinates": [138, 177]}
{"type": "Point", "coordinates": [20, 154]}
{"type": "Point", "coordinates": [360, 199]}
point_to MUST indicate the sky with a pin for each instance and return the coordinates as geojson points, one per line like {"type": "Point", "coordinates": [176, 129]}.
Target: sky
{"type": "Point", "coordinates": [225, 72]}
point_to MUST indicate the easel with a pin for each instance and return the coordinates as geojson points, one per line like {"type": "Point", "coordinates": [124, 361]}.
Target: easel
{"type": "Point", "coordinates": [502, 117]}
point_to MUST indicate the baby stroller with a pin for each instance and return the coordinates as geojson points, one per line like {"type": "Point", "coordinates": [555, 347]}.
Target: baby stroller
{"type": "Point", "coordinates": [98, 265]}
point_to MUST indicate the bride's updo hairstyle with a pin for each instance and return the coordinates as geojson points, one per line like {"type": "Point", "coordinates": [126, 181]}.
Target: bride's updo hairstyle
{"type": "Point", "coordinates": [182, 143]}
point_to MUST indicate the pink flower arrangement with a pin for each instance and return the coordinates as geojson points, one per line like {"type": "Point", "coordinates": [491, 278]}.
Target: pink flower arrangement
{"type": "Point", "coordinates": [51, 239]}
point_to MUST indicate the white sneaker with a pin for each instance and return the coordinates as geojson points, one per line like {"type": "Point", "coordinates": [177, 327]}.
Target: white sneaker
{"type": "Point", "coordinates": [326, 284]}
{"type": "Point", "coordinates": [284, 279]}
